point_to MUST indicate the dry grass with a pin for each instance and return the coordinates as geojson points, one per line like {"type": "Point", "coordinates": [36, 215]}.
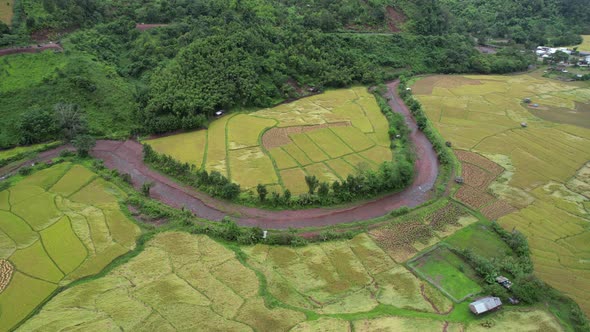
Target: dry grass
{"type": "Point", "coordinates": [6, 11]}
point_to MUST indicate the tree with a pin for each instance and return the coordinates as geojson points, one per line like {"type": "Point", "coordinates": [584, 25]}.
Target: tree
{"type": "Point", "coordinates": [312, 183]}
{"type": "Point", "coordinates": [262, 192]}
{"type": "Point", "coordinates": [324, 190]}
{"type": "Point", "coordinates": [83, 144]}
{"type": "Point", "coordinates": [36, 125]}
{"type": "Point", "coordinates": [146, 187]}
{"type": "Point", "coordinates": [287, 195]}
{"type": "Point", "coordinates": [70, 120]}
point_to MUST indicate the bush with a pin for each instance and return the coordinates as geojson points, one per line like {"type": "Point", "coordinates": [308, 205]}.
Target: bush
{"type": "Point", "coordinates": [25, 170]}
{"type": "Point", "coordinates": [146, 187]}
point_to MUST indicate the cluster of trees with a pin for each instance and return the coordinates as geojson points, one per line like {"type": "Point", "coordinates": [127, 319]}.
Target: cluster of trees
{"type": "Point", "coordinates": [445, 155]}
{"type": "Point", "coordinates": [531, 22]}
{"type": "Point", "coordinates": [66, 121]}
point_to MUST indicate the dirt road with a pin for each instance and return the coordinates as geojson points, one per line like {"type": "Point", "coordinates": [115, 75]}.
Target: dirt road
{"type": "Point", "coordinates": [127, 157]}
{"type": "Point", "coordinates": [30, 49]}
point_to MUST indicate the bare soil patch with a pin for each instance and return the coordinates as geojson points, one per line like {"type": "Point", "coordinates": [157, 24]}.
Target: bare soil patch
{"type": "Point", "coordinates": [276, 137]}
{"type": "Point", "coordinates": [395, 19]}
{"type": "Point", "coordinates": [144, 27]}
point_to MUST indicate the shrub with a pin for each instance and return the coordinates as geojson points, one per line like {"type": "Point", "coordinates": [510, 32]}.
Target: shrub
{"type": "Point", "coordinates": [146, 187]}
{"type": "Point", "coordinates": [25, 170]}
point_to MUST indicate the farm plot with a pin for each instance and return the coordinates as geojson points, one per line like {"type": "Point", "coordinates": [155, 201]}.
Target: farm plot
{"type": "Point", "coordinates": [342, 277]}
{"type": "Point", "coordinates": [269, 145]}
{"type": "Point", "coordinates": [448, 272]}
{"type": "Point", "coordinates": [406, 236]}
{"type": "Point", "coordinates": [58, 225]}
{"type": "Point", "coordinates": [539, 192]}
{"type": "Point", "coordinates": [6, 11]}
{"type": "Point", "coordinates": [179, 282]}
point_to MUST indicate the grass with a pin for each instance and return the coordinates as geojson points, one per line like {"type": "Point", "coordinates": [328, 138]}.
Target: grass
{"type": "Point", "coordinates": [538, 160]}
{"type": "Point", "coordinates": [448, 272]}
{"type": "Point", "coordinates": [10, 153]}
{"type": "Point", "coordinates": [347, 124]}
{"type": "Point", "coordinates": [479, 238]}
{"type": "Point", "coordinates": [30, 80]}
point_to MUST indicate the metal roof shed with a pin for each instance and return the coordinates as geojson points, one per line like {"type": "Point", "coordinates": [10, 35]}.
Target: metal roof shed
{"type": "Point", "coordinates": [485, 304]}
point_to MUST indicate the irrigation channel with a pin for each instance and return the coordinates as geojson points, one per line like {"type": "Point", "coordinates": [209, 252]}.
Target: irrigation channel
{"type": "Point", "coordinates": [126, 157]}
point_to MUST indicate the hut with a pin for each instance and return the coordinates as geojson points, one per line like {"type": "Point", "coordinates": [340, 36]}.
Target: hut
{"type": "Point", "coordinates": [485, 304]}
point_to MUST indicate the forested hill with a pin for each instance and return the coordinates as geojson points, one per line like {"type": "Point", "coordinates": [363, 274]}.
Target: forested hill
{"type": "Point", "coordinates": [216, 54]}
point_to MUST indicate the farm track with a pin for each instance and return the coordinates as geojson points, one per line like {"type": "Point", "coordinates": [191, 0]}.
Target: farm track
{"type": "Point", "coordinates": [30, 49]}
{"type": "Point", "coordinates": [126, 157]}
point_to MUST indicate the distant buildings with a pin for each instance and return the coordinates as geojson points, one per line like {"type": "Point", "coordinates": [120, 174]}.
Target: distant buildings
{"type": "Point", "coordinates": [485, 304]}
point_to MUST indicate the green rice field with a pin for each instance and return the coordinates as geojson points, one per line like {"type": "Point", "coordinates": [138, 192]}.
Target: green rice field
{"type": "Point", "coordinates": [543, 171]}
{"type": "Point", "coordinates": [448, 272]}
{"type": "Point", "coordinates": [330, 135]}
{"type": "Point", "coordinates": [54, 234]}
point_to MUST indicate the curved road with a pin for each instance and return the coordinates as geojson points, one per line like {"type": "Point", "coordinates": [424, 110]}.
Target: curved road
{"type": "Point", "coordinates": [126, 157]}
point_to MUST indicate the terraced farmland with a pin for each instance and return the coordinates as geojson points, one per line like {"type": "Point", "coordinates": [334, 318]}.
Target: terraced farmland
{"type": "Point", "coordinates": [328, 135]}
{"type": "Point", "coordinates": [539, 187]}
{"type": "Point", "coordinates": [56, 226]}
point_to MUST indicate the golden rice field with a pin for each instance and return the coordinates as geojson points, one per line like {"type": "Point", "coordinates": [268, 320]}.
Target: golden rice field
{"type": "Point", "coordinates": [56, 226]}
{"type": "Point", "coordinates": [330, 135]}
{"type": "Point", "coordinates": [585, 46]}
{"type": "Point", "coordinates": [544, 174]}
{"type": "Point", "coordinates": [6, 11]}
{"type": "Point", "coordinates": [191, 282]}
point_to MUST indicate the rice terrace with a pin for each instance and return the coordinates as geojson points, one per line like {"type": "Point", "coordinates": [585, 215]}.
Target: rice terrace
{"type": "Point", "coordinates": [213, 165]}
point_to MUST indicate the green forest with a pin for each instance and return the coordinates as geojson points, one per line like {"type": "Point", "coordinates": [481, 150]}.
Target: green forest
{"type": "Point", "coordinates": [240, 54]}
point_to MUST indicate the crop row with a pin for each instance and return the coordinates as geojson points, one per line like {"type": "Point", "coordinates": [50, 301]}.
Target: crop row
{"type": "Point", "coordinates": [473, 197]}
{"type": "Point", "coordinates": [497, 209]}
{"type": "Point", "coordinates": [6, 271]}
{"type": "Point", "coordinates": [480, 161]}
{"type": "Point", "coordinates": [448, 215]}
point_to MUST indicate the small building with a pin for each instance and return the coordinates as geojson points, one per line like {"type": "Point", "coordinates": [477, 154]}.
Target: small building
{"type": "Point", "coordinates": [485, 304]}
{"type": "Point", "coordinates": [505, 282]}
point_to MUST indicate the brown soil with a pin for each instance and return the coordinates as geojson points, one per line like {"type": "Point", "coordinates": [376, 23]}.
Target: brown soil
{"type": "Point", "coordinates": [31, 49]}
{"type": "Point", "coordinates": [395, 19]}
{"type": "Point", "coordinates": [276, 137]}
{"type": "Point", "coordinates": [144, 27]}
